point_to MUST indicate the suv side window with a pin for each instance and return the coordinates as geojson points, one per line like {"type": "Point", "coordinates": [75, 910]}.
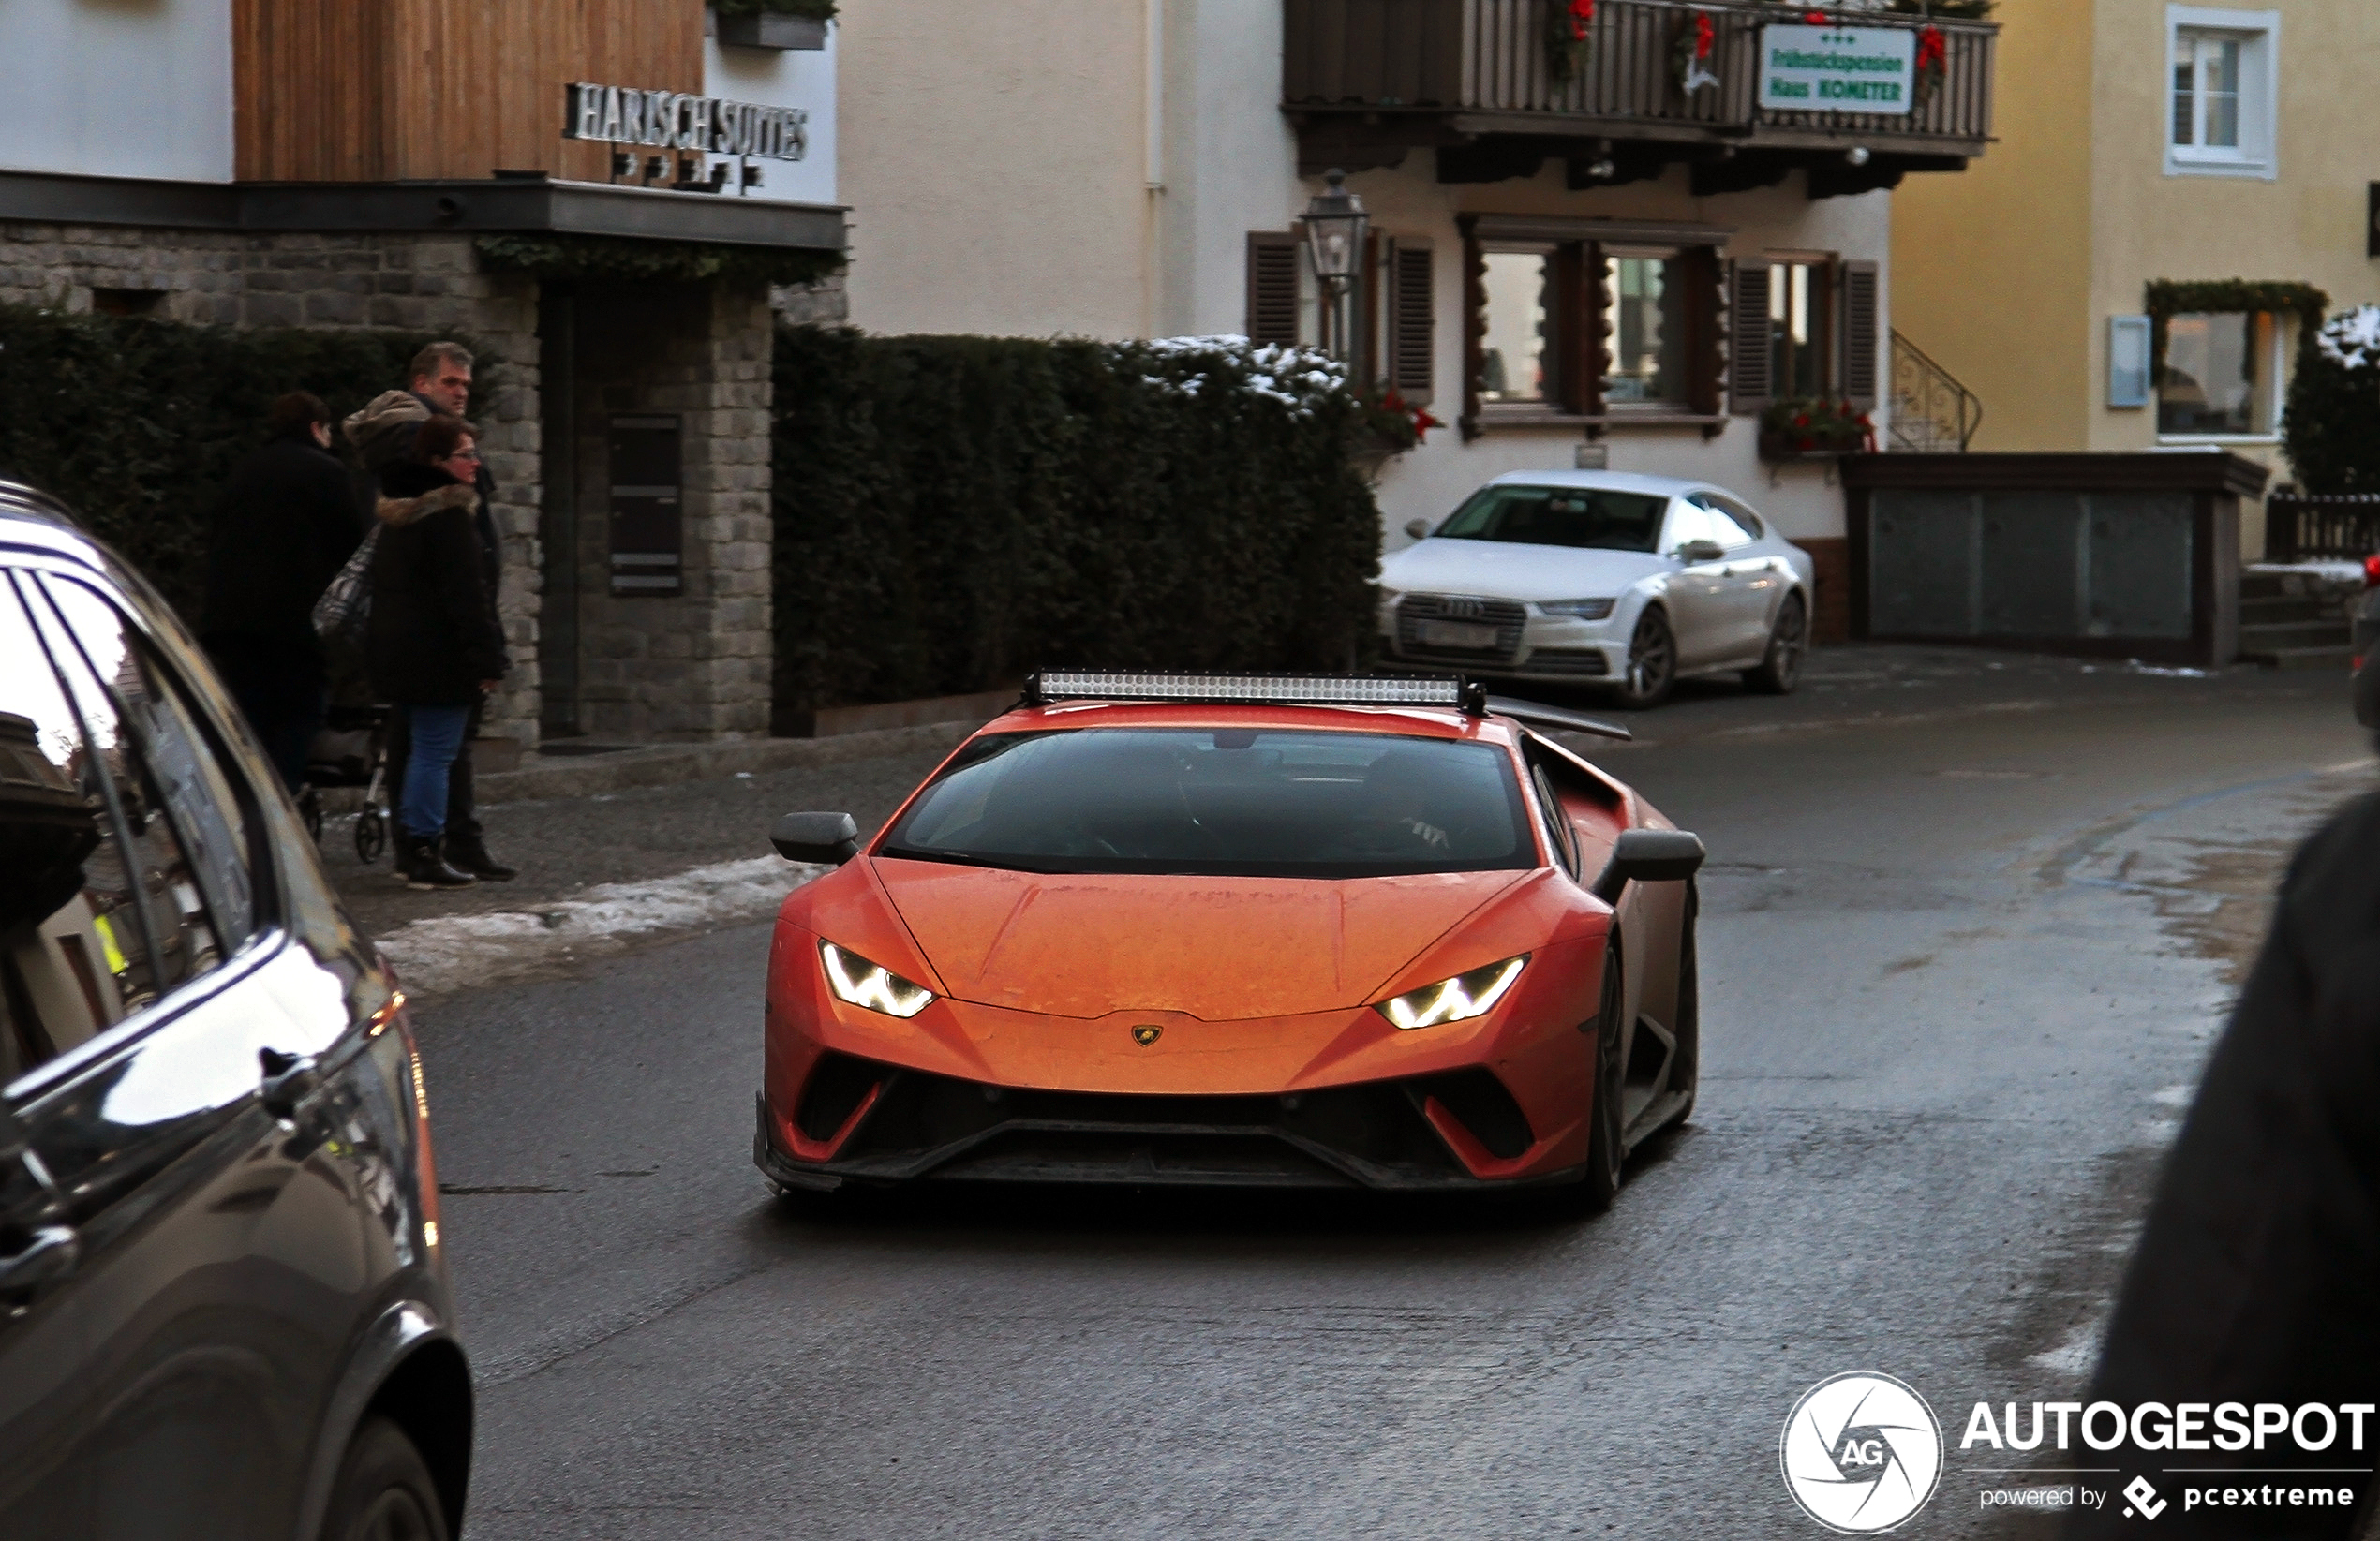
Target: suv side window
{"type": "Point", "coordinates": [181, 768]}
{"type": "Point", "coordinates": [75, 950]}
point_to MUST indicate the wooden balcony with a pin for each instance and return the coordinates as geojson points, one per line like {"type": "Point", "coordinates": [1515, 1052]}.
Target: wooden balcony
{"type": "Point", "coordinates": [1366, 80]}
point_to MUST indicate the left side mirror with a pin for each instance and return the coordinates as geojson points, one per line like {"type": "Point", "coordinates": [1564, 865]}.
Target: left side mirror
{"type": "Point", "coordinates": [1417, 528]}
{"type": "Point", "coordinates": [829, 837]}
{"type": "Point", "coordinates": [1649, 855]}
{"type": "Point", "coordinates": [1696, 552]}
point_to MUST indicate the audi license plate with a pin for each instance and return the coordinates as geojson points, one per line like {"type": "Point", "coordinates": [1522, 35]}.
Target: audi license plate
{"type": "Point", "coordinates": [1456, 634]}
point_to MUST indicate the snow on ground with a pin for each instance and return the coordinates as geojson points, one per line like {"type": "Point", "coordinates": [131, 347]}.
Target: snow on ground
{"type": "Point", "coordinates": [433, 956]}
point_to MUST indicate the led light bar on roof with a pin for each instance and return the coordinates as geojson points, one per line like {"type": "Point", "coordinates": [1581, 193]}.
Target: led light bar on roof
{"type": "Point", "coordinates": [1442, 691]}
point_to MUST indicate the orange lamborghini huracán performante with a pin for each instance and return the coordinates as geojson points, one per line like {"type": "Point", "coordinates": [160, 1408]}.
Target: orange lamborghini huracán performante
{"type": "Point", "coordinates": [1220, 929]}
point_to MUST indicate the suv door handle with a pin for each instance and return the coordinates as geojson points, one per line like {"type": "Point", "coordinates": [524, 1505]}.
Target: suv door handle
{"type": "Point", "coordinates": [51, 1255]}
{"type": "Point", "coordinates": [289, 1080]}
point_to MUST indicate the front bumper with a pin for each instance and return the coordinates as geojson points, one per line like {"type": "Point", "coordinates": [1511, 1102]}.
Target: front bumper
{"type": "Point", "coordinates": [890, 1125]}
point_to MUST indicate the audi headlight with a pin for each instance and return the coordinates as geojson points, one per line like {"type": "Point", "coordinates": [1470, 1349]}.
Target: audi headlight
{"type": "Point", "coordinates": [1580, 610]}
{"type": "Point", "coordinates": [868, 985]}
{"type": "Point", "coordinates": [1456, 999]}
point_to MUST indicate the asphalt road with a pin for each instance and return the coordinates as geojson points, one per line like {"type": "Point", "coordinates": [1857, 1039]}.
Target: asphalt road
{"type": "Point", "coordinates": [1959, 971]}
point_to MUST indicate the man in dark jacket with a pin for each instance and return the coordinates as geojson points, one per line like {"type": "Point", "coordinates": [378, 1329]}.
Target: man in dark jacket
{"type": "Point", "coordinates": [439, 381]}
{"type": "Point", "coordinates": [435, 645]}
{"type": "Point", "coordinates": [284, 528]}
{"type": "Point", "coordinates": [2257, 1278]}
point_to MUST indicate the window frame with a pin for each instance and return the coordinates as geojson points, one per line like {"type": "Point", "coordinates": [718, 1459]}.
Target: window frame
{"type": "Point", "coordinates": [1828, 325]}
{"type": "Point", "coordinates": [2258, 34]}
{"type": "Point", "coordinates": [1582, 250]}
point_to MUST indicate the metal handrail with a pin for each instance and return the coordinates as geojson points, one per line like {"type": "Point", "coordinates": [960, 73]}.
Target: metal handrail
{"type": "Point", "coordinates": [1932, 412]}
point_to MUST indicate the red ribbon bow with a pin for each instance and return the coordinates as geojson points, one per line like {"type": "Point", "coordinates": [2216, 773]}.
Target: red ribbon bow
{"type": "Point", "coordinates": [1704, 33]}
{"type": "Point", "coordinates": [1582, 13]}
{"type": "Point", "coordinates": [1930, 48]}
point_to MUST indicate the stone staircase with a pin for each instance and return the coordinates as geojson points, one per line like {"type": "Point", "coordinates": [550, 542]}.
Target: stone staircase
{"type": "Point", "coordinates": [2296, 620]}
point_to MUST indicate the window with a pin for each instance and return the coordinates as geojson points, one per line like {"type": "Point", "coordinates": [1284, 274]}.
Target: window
{"type": "Point", "coordinates": [1801, 328]}
{"type": "Point", "coordinates": [2220, 374]}
{"type": "Point", "coordinates": [1732, 524]}
{"type": "Point", "coordinates": [1517, 358]}
{"type": "Point", "coordinates": [1645, 296]}
{"type": "Point", "coordinates": [1222, 802]}
{"type": "Point", "coordinates": [1572, 319]}
{"type": "Point", "coordinates": [1583, 518]}
{"type": "Point", "coordinates": [2222, 75]}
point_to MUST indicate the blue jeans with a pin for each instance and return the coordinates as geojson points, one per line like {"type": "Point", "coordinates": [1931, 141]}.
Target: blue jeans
{"type": "Point", "coordinates": [437, 734]}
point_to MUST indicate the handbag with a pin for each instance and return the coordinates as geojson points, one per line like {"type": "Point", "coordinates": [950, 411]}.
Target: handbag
{"type": "Point", "coordinates": [344, 612]}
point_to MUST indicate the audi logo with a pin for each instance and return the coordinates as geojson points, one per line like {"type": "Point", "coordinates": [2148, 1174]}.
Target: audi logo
{"type": "Point", "coordinates": [1457, 609]}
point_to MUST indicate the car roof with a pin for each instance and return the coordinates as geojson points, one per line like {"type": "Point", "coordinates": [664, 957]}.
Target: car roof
{"type": "Point", "coordinates": [1406, 721]}
{"type": "Point", "coordinates": [30, 518]}
{"type": "Point", "coordinates": [1658, 486]}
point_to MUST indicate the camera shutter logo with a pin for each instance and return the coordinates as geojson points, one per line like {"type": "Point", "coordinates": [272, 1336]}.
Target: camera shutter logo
{"type": "Point", "coordinates": [1861, 1453]}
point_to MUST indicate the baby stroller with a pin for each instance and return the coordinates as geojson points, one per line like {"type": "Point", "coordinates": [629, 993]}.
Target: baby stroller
{"type": "Point", "coordinates": [351, 750]}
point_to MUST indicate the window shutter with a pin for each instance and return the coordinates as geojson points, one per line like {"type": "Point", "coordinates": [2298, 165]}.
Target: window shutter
{"type": "Point", "coordinates": [1704, 363]}
{"type": "Point", "coordinates": [1747, 362]}
{"type": "Point", "coordinates": [1273, 286]}
{"type": "Point", "coordinates": [1859, 334]}
{"type": "Point", "coordinates": [1412, 331]}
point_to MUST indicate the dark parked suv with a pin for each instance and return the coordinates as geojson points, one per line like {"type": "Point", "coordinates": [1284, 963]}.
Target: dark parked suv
{"type": "Point", "coordinates": [223, 1308]}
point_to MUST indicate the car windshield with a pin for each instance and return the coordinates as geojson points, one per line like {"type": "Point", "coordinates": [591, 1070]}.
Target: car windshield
{"type": "Point", "coordinates": [1222, 803]}
{"type": "Point", "coordinates": [1591, 517]}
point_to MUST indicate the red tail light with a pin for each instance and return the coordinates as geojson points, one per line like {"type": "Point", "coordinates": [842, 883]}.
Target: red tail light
{"type": "Point", "coordinates": [2372, 572]}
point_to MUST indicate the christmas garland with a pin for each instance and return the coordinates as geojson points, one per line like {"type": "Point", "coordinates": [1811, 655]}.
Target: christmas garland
{"type": "Point", "coordinates": [1692, 40]}
{"type": "Point", "coordinates": [1566, 50]}
{"type": "Point", "coordinates": [2169, 297]}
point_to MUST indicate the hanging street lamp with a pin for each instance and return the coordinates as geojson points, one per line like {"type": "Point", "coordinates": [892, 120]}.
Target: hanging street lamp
{"type": "Point", "coordinates": [1335, 227]}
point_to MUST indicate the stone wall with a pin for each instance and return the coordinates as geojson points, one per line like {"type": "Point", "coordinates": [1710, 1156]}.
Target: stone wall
{"type": "Point", "coordinates": [695, 665]}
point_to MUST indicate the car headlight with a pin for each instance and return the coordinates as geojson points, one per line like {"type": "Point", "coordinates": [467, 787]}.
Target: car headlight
{"type": "Point", "coordinates": [1582, 610]}
{"type": "Point", "coordinates": [1456, 999]}
{"type": "Point", "coordinates": [870, 986]}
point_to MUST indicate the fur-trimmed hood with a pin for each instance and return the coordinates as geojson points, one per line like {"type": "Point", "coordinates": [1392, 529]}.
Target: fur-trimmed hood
{"type": "Point", "coordinates": [382, 430]}
{"type": "Point", "coordinates": [398, 512]}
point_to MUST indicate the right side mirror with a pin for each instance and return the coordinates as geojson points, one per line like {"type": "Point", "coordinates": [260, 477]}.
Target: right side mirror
{"type": "Point", "coordinates": [1417, 528]}
{"type": "Point", "coordinates": [1649, 855]}
{"type": "Point", "coordinates": [832, 838]}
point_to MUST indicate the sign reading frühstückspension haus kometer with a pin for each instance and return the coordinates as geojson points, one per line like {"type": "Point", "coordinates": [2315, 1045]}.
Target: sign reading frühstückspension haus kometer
{"type": "Point", "coordinates": [1836, 69]}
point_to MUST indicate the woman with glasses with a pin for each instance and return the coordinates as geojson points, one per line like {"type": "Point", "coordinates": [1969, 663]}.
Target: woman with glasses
{"type": "Point", "coordinates": [436, 646]}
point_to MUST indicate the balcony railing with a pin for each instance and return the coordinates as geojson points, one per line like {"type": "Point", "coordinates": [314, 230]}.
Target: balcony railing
{"type": "Point", "coordinates": [1487, 63]}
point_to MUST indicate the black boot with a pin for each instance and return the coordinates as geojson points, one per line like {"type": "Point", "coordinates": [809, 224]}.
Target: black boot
{"type": "Point", "coordinates": [470, 852]}
{"type": "Point", "coordinates": [423, 866]}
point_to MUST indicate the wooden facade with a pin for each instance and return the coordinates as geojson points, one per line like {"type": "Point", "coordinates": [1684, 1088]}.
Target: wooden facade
{"type": "Point", "coordinates": [399, 90]}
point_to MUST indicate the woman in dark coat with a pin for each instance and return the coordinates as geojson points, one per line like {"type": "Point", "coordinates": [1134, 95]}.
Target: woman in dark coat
{"type": "Point", "coordinates": [435, 643]}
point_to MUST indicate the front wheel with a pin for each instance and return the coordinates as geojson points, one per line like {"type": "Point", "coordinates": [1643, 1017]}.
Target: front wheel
{"type": "Point", "coordinates": [1652, 663]}
{"type": "Point", "coordinates": [384, 1491]}
{"type": "Point", "coordinates": [1781, 667]}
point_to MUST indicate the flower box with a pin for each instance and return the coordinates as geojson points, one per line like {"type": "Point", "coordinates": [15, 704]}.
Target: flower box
{"type": "Point", "coordinates": [1782, 445]}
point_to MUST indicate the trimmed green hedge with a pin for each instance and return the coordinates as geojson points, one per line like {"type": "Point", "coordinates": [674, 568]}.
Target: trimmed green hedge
{"type": "Point", "coordinates": [136, 423]}
{"type": "Point", "coordinates": [952, 512]}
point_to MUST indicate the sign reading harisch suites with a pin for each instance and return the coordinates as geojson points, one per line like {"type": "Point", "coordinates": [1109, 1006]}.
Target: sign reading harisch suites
{"type": "Point", "coordinates": [669, 120]}
{"type": "Point", "coordinates": [1836, 69]}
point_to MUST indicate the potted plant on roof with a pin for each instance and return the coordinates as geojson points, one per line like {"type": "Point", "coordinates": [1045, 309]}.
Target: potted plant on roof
{"type": "Point", "coordinates": [1808, 427]}
{"type": "Point", "coordinates": [773, 24]}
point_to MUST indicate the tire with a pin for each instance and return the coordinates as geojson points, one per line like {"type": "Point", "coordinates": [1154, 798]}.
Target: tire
{"type": "Point", "coordinates": [1652, 663]}
{"type": "Point", "coordinates": [1686, 1074]}
{"type": "Point", "coordinates": [1781, 667]}
{"type": "Point", "coordinates": [371, 835]}
{"type": "Point", "coordinates": [1605, 1154]}
{"type": "Point", "coordinates": [384, 1491]}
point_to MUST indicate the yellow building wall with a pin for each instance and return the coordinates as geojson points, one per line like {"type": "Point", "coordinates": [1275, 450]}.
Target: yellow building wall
{"type": "Point", "coordinates": [996, 166]}
{"type": "Point", "coordinates": [1992, 270]}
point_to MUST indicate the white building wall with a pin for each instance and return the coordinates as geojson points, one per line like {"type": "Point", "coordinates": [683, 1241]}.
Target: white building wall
{"type": "Point", "coordinates": [803, 78]}
{"type": "Point", "coordinates": [129, 88]}
{"type": "Point", "coordinates": [1230, 159]}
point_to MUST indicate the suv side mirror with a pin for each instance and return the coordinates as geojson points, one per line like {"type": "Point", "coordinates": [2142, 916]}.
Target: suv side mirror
{"type": "Point", "coordinates": [1649, 855]}
{"type": "Point", "coordinates": [1417, 528]}
{"type": "Point", "coordinates": [1700, 551]}
{"type": "Point", "coordinates": [829, 837]}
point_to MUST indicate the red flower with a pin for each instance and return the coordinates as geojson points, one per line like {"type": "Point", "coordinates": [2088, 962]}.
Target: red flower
{"type": "Point", "coordinates": [1815, 18]}
{"type": "Point", "coordinates": [1801, 420]}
